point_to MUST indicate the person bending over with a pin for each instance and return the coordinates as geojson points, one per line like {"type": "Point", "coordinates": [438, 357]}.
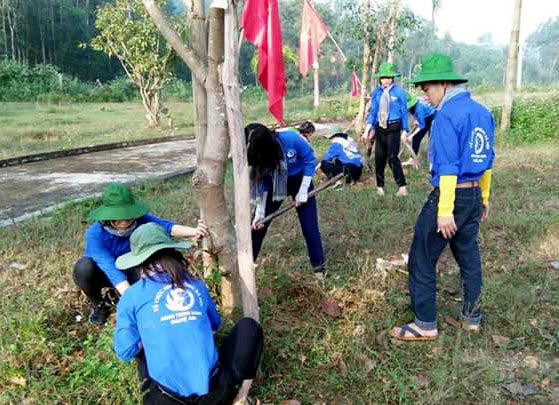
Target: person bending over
{"type": "Point", "coordinates": [342, 156]}
{"type": "Point", "coordinates": [109, 237]}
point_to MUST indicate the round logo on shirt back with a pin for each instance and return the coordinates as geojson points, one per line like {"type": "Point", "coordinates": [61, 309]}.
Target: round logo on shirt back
{"type": "Point", "coordinates": [179, 300]}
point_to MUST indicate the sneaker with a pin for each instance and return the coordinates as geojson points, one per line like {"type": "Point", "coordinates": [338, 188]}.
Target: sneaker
{"type": "Point", "coordinates": [99, 313]}
{"type": "Point", "coordinates": [380, 191]}
{"type": "Point", "coordinates": [402, 192]}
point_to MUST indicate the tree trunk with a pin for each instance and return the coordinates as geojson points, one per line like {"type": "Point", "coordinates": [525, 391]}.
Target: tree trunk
{"type": "Point", "coordinates": [511, 66]}
{"type": "Point", "coordinates": [392, 36]}
{"type": "Point", "coordinates": [360, 119]}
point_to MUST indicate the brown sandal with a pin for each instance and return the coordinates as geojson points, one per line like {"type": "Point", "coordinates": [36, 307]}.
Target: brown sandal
{"type": "Point", "coordinates": [416, 336]}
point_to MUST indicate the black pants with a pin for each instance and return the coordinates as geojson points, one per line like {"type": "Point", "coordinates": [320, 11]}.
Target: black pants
{"type": "Point", "coordinates": [416, 140]}
{"type": "Point", "coordinates": [239, 357]}
{"type": "Point", "coordinates": [335, 167]}
{"type": "Point", "coordinates": [91, 279]}
{"type": "Point", "coordinates": [387, 147]}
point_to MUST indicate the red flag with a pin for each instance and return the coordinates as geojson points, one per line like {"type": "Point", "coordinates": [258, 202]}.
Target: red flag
{"type": "Point", "coordinates": [261, 27]}
{"type": "Point", "coordinates": [313, 32]}
{"type": "Point", "coordinates": [355, 85]}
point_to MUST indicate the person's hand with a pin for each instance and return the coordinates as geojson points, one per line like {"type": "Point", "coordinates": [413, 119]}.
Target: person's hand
{"type": "Point", "coordinates": [301, 197]}
{"type": "Point", "coordinates": [404, 136]}
{"type": "Point", "coordinates": [201, 231]}
{"type": "Point", "coordinates": [258, 216]}
{"type": "Point", "coordinates": [446, 226]}
{"type": "Point", "coordinates": [485, 213]}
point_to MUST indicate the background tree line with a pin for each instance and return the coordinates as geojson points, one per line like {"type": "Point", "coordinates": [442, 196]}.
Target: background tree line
{"type": "Point", "coordinates": [40, 39]}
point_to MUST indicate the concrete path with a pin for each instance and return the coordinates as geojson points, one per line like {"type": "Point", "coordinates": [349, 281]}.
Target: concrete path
{"type": "Point", "coordinates": [35, 188]}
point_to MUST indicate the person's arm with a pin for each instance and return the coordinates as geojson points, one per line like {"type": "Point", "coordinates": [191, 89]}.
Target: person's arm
{"type": "Point", "coordinates": [372, 117]}
{"type": "Point", "coordinates": [309, 161]}
{"type": "Point", "coordinates": [213, 315]}
{"type": "Point", "coordinates": [177, 230]}
{"type": "Point", "coordinates": [404, 109]}
{"type": "Point", "coordinates": [260, 211]}
{"type": "Point", "coordinates": [96, 251]}
{"type": "Point", "coordinates": [127, 342]}
{"type": "Point", "coordinates": [446, 144]}
{"type": "Point", "coordinates": [485, 186]}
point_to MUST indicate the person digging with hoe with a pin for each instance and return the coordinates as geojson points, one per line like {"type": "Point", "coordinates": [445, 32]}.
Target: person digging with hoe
{"type": "Point", "coordinates": [109, 237]}
{"type": "Point", "coordinates": [461, 154]}
{"type": "Point", "coordinates": [387, 118]}
{"type": "Point", "coordinates": [166, 321]}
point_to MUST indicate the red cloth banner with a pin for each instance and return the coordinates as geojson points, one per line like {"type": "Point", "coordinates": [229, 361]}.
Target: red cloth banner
{"type": "Point", "coordinates": [313, 33]}
{"type": "Point", "coordinates": [261, 27]}
{"type": "Point", "coordinates": [355, 85]}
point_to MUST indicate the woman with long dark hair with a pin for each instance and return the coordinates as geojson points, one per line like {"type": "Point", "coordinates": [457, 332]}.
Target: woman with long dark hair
{"type": "Point", "coordinates": [166, 320]}
{"type": "Point", "coordinates": [282, 163]}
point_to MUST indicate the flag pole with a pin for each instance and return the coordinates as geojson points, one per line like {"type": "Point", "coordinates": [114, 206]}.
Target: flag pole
{"type": "Point", "coordinates": [337, 46]}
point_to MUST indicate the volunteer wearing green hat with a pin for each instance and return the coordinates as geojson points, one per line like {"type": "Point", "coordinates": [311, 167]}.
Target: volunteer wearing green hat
{"type": "Point", "coordinates": [108, 237]}
{"type": "Point", "coordinates": [387, 118]}
{"type": "Point", "coordinates": [461, 154]}
{"type": "Point", "coordinates": [166, 321]}
{"type": "Point", "coordinates": [342, 156]}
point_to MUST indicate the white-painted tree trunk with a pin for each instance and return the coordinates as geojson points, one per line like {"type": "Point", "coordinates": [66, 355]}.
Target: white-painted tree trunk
{"type": "Point", "coordinates": [316, 99]}
{"type": "Point", "coordinates": [511, 65]}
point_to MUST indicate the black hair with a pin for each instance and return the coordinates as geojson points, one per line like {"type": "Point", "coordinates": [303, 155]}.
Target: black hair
{"type": "Point", "coordinates": [263, 149]}
{"type": "Point", "coordinates": [340, 134]}
{"type": "Point", "coordinates": [412, 108]}
{"type": "Point", "coordinates": [167, 261]}
{"type": "Point", "coordinates": [306, 127]}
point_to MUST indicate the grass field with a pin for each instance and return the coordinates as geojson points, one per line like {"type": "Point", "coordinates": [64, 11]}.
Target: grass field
{"type": "Point", "coordinates": [48, 353]}
{"type": "Point", "coordinates": [27, 128]}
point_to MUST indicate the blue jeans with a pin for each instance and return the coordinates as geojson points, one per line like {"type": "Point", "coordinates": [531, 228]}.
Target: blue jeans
{"type": "Point", "coordinates": [308, 218]}
{"type": "Point", "coordinates": [428, 245]}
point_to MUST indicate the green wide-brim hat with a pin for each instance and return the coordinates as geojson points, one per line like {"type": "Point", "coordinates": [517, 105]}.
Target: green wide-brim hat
{"type": "Point", "coordinates": [118, 203]}
{"type": "Point", "coordinates": [386, 69]}
{"type": "Point", "coordinates": [336, 129]}
{"type": "Point", "coordinates": [412, 100]}
{"type": "Point", "coordinates": [437, 67]}
{"type": "Point", "coordinates": [144, 242]}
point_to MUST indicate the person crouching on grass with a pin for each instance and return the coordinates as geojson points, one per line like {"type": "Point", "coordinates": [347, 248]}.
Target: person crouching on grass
{"type": "Point", "coordinates": [109, 237]}
{"type": "Point", "coordinates": [166, 321]}
{"type": "Point", "coordinates": [387, 118]}
{"type": "Point", "coordinates": [282, 164]}
{"type": "Point", "coordinates": [461, 153]}
{"type": "Point", "coordinates": [342, 156]}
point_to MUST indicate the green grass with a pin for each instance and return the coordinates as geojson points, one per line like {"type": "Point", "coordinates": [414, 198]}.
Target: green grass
{"type": "Point", "coordinates": [27, 128]}
{"type": "Point", "coordinates": [47, 355]}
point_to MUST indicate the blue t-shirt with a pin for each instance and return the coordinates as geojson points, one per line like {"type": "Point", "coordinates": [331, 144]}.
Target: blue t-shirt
{"type": "Point", "coordinates": [462, 140]}
{"type": "Point", "coordinates": [175, 327]}
{"type": "Point", "coordinates": [345, 150]}
{"type": "Point", "coordinates": [422, 112]}
{"type": "Point", "coordinates": [297, 152]}
{"type": "Point", "coordinates": [398, 106]}
{"type": "Point", "coordinates": [103, 248]}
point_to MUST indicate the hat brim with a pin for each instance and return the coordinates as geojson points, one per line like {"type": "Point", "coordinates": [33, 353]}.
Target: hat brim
{"type": "Point", "coordinates": [129, 260]}
{"type": "Point", "coordinates": [127, 212]}
{"type": "Point", "coordinates": [438, 77]}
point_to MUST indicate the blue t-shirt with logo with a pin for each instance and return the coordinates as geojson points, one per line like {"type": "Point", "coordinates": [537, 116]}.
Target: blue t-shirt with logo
{"type": "Point", "coordinates": [175, 328]}
{"type": "Point", "coordinates": [297, 152]}
{"type": "Point", "coordinates": [345, 150]}
{"type": "Point", "coordinates": [398, 109]}
{"type": "Point", "coordinates": [103, 247]}
{"type": "Point", "coordinates": [462, 140]}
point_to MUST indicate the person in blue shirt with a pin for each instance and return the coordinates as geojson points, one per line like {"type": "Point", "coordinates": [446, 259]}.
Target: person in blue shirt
{"type": "Point", "coordinates": [461, 154]}
{"type": "Point", "coordinates": [388, 118]}
{"type": "Point", "coordinates": [282, 163]}
{"type": "Point", "coordinates": [423, 115]}
{"type": "Point", "coordinates": [342, 156]}
{"type": "Point", "coordinates": [109, 237]}
{"type": "Point", "coordinates": [166, 321]}
{"type": "Point", "coordinates": [306, 129]}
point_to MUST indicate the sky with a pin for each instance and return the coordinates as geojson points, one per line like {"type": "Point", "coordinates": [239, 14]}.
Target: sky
{"type": "Point", "coordinates": [467, 20]}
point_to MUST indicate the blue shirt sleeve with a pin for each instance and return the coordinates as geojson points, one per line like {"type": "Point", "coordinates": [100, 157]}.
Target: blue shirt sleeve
{"type": "Point", "coordinates": [165, 223]}
{"type": "Point", "coordinates": [212, 313]}
{"type": "Point", "coordinates": [126, 336]}
{"type": "Point", "coordinates": [446, 146]}
{"type": "Point", "coordinates": [403, 99]}
{"type": "Point", "coordinates": [372, 118]}
{"type": "Point", "coordinates": [95, 250]}
{"type": "Point", "coordinates": [307, 155]}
